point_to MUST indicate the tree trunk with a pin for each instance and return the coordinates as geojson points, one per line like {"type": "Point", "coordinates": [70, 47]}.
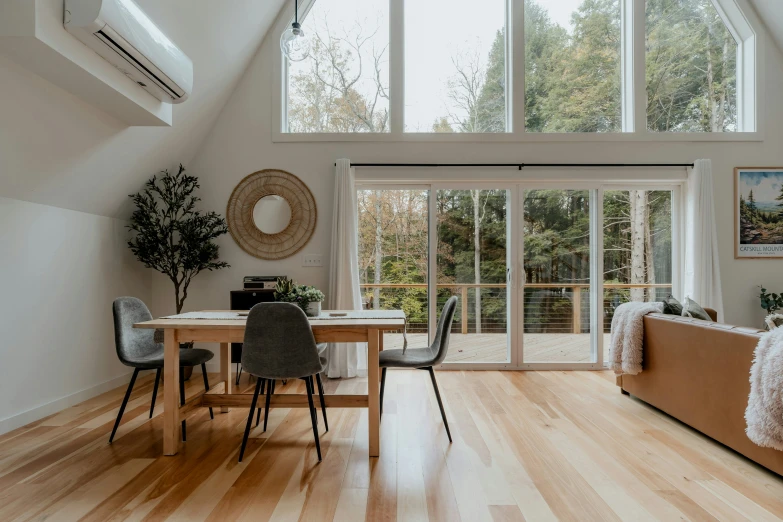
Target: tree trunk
{"type": "Point", "coordinates": [711, 91]}
{"type": "Point", "coordinates": [376, 293]}
{"type": "Point", "coordinates": [722, 103]}
{"type": "Point", "coordinates": [638, 209]}
{"type": "Point", "coordinates": [477, 255]}
{"type": "Point", "coordinates": [649, 253]}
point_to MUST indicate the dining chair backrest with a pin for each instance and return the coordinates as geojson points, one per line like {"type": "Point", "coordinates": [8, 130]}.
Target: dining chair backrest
{"type": "Point", "coordinates": [279, 343]}
{"type": "Point", "coordinates": [440, 346]}
{"type": "Point", "coordinates": [132, 343]}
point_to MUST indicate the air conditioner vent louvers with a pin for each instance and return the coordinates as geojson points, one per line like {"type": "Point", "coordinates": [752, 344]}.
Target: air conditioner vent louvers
{"type": "Point", "coordinates": [135, 63]}
{"type": "Point", "coordinates": [123, 35]}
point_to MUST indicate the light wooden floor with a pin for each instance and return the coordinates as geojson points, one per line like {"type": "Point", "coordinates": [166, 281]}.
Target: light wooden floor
{"type": "Point", "coordinates": [527, 446]}
{"type": "Point", "coordinates": [546, 348]}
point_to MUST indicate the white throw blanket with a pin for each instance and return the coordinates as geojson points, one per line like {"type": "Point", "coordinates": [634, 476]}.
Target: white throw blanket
{"type": "Point", "coordinates": [625, 345]}
{"type": "Point", "coordinates": [764, 414]}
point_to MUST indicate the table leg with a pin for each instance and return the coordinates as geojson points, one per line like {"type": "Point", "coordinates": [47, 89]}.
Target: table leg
{"type": "Point", "coordinates": [380, 349]}
{"type": "Point", "coordinates": [373, 392]}
{"type": "Point", "coordinates": [171, 425]}
{"type": "Point", "coordinates": [225, 371]}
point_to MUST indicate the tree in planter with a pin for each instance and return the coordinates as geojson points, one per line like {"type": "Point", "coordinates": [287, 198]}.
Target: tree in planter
{"type": "Point", "coordinates": [170, 235]}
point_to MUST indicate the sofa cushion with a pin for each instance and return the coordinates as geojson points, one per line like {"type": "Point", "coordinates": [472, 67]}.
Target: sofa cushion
{"type": "Point", "coordinates": [672, 306]}
{"type": "Point", "coordinates": [691, 308]}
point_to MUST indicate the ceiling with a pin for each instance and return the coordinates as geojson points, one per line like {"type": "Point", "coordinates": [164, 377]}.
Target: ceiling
{"type": "Point", "coordinates": [771, 13]}
{"type": "Point", "coordinates": [57, 150]}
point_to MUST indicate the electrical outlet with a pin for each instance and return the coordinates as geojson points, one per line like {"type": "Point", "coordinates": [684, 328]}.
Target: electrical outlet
{"type": "Point", "coordinates": [313, 260]}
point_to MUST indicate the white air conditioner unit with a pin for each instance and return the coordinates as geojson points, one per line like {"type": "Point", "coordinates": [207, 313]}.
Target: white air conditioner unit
{"type": "Point", "coordinates": [121, 33]}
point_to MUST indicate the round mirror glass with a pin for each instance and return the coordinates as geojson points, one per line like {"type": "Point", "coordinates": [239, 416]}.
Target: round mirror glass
{"type": "Point", "coordinates": [272, 214]}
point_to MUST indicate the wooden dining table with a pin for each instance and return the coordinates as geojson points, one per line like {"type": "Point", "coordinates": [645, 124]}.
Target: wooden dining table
{"type": "Point", "coordinates": [363, 327]}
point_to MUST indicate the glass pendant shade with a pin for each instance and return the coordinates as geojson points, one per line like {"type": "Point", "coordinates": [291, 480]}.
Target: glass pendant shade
{"type": "Point", "coordinates": [294, 44]}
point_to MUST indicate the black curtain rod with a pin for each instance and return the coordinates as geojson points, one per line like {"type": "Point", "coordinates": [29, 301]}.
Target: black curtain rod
{"type": "Point", "coordinates": [520, 166]}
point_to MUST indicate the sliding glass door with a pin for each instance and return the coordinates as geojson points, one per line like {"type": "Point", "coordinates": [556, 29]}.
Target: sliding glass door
{"type": "Point", "coordinates": [557, 284]}
{"type": "Point", "coordinates": [538, 269]}
{"type": "Point", "coordinates": [472, 263]}
{"type": "Point", "coordinates": [640, 242]}
{"type": "Point", "coordinates": [393, 257]}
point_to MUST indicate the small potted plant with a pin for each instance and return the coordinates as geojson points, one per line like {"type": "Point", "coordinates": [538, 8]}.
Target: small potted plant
{"type": "Point", "coordinates": [771, 303]}
{"type": "Point", "coordinates": [308, 298]}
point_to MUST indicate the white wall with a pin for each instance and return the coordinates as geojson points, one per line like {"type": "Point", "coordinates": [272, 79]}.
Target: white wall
{"type": "Point", "coordinates": [60, 270]}
{"type": "Point", "coordinates": [241, 143]}
{"type": "Point", "coordinates": [57, 150]}
{"type": "Point", "coordinates": [63, 268]}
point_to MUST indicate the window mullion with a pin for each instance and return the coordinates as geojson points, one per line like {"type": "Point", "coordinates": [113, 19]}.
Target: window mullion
{"type": "Point", "coordinates": [627, 65]}
{"type": "Point", "coordinates": [516, 65]}
{"type": "Point", "coordinates": [396, 66]}
{"type": "Point", "coordinates": [638, 33]}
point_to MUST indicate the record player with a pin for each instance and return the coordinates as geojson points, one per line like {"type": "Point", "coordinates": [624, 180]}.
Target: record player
{"type": "Point", "coordinates": [260, 282]}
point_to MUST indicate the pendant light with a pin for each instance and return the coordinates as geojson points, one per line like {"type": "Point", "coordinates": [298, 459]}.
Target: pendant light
{"type": "Point", "coordinates": [293, 42]}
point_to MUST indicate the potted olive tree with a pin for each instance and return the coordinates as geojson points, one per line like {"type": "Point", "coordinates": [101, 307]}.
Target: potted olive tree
{"type": "Point", "coordinates": [171, 236]}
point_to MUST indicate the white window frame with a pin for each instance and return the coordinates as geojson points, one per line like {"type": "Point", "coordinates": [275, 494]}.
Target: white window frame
{"type": "Point", "coordinates": [597, 181]}
{"type": "Point", "coordinates": [738, 16]}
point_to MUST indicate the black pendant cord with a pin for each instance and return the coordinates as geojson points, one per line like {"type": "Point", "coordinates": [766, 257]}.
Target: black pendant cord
{"type": "Point", "coordinates": [296, 11]}
{"type": "Point", "coordinates": [521, 166]}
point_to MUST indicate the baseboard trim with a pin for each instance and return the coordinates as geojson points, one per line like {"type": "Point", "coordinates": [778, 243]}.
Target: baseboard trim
{"type": "Point", "coordinates": [39, 412]}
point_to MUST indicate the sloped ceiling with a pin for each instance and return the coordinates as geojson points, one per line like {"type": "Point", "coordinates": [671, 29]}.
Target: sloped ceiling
{"type": "Point", "coordinates": [59, 151]}
{"type": "Point", "coordinates": [771, 12]}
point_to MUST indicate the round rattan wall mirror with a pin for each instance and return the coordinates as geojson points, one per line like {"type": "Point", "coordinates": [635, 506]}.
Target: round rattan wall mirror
{"type": "Point", "coordinates": [271, 214]}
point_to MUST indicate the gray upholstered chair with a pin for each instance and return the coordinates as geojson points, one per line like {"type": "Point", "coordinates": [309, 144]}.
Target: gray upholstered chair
{"type": "Point", "coordinates": [423, 358]}
{"type": "Point", "coordinates": [279, 344]}
{"type": "Point", "coordinates": [137, 348]}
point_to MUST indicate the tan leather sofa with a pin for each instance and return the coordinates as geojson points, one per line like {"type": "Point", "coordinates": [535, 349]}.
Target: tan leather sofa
{"type": "Point", "coordinates": [698, 372]}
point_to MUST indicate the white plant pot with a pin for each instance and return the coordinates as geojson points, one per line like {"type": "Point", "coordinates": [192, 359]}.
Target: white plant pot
{"type": "Point", "coordinates": [314, 309]}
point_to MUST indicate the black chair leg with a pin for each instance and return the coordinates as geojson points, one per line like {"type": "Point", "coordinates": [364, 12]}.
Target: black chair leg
{"type": "Point", "coordinates": [313, 417]}
{"type": "Point", "coordinates": [383, 387]}
{"type": "Point", "coordinates": [440, 403]}
{"type": "Point", "coordinates": [249, 420]}
{"type": "Point", "coordinates": [206, 386]}
{"type": "Point", "coordinates": [310, 389]}
{"type": "Point", "coordinates": [155, 390]}
{"type": "Point", "coordinates": [258, 412]}
{"type": "Point", "coordinates": [323, 401]}
{"type": "Point", "coordinates": [124, 403]}
{"type": "Point", "coordinates": [182, 400]}
{"type": "Point", "coordinates": [270, 389]}
{"type": "Point", "coordinates": [239, 372]}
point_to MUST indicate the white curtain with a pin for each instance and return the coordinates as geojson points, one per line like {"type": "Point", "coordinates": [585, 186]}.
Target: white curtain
{"type": "Point", "coordinates": [345, 359]}
{"type": "Point", "coordinates": [702, 269]}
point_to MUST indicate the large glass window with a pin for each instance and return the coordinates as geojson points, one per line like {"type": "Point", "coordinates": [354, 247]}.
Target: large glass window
{"type": "Point", "coordinates": [572, 66]}
{"type": "Point", "coordinates": [451, 66]}
{"type": "Point", "coordinates": [691, 68]}
{"type": "Point", "coordinates": [343, 86]}
{"type": "Point", "coordinates": [455, 66]}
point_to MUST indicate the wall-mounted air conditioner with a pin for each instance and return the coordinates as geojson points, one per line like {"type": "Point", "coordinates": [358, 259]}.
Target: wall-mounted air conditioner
{"type": "Point", "coordinates": [124, 35]}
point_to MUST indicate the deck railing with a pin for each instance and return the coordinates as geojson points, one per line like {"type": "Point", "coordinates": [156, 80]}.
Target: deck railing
{"type": "Point", "coordinates": [548, 307]}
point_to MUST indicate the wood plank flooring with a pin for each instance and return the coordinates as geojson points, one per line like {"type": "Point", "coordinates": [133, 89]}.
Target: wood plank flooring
{"type": "Point", "coordinates": [528, 446]}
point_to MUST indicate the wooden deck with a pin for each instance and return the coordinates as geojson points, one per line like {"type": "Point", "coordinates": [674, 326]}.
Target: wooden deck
{"type": "Point", "coordinates": [467, 348]}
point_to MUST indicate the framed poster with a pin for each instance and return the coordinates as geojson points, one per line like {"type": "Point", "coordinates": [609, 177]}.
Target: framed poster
{"type": "Point", "coordinates": [758, 212]}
